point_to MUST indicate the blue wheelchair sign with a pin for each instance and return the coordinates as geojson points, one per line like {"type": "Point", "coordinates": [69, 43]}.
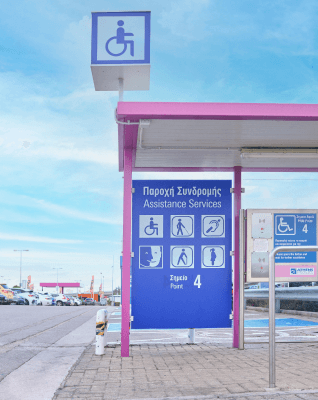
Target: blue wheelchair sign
{"type": "Point", "coordinates": [121, 38]}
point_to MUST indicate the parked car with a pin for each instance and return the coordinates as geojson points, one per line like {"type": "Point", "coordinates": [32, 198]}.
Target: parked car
{"type": "Point", "coordinates": [44, 299]}
{"type": "Point", "coordinates": [5, 291]}
{"type": "Point", "coordinates": [26, 294]}
{"type": "Point", "coordinates": [103, 301]}
{"type": "Point", "coordinates": [89, 302]}
{"type": "Point", "coordinates": [3, 299]}
{"type": "Point", "coordinates": [61, 299]}
{"type": "Point", "coordinates": [75, 301]}
{"type": "Point", "coordinates": [18, 300]}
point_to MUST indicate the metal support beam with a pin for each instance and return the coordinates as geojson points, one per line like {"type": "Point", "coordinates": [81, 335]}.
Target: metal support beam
{"type": "Point", "coordinates": [126, 253]}
{"type": "Point", "coordinates": [242, 269]}
{"type": "Point", "coordinates": [236, 283]}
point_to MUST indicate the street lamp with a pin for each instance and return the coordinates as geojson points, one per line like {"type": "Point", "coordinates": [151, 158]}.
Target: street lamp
{"type": "Point", "coordinates": [20, 264]}
{"type": "Point", "coordinates": [57, 279]}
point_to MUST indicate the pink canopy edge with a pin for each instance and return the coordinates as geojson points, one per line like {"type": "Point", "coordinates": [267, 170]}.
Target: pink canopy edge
{"type": "Point", "coordinates": [134, 111]}
{"type": "Point", "coordinates": [73, 284]}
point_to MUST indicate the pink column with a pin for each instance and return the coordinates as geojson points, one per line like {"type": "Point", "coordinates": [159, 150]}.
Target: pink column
{"type": "Point", "coordinates": [125, 314]}
{"type": "Point", "coordinates": [236, 283]}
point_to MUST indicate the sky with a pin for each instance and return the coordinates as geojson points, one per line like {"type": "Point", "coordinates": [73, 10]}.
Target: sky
{"type": "Point", "coordinates": [60, 190]}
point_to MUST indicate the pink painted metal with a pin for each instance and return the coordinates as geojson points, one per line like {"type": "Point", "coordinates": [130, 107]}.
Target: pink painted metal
{"type": "Point", "coordinates": [134, 111]}
{"type": "Point", "coordinates": [60, 284]}
{"type": "Point", "coordinates": [125, 314]}
{"type": "Point", "coordinates": [127, 142]}
{"type": "Point", "coordinates": [244, 111]}
{"type": "Point", "coordinates": [236, 279]}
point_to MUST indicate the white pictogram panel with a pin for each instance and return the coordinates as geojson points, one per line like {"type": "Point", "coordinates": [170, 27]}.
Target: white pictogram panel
{"type": "Point", "coordinates": [213, 226]}
{"type": "Point", "coordinates": [150, 257]}
{"type": "Point", "coordinates": [181, 256]}
{"type": "Point", "coordinates": [212, 256]}
{"type": "Point", "coordinates": [151, 226]}
{"type": "Point", "coordinates": [182, 226]}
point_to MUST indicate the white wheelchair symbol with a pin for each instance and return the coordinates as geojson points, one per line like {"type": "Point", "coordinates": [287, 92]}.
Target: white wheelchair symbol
{"type": "Point", "coordinates": [120, 39]}
{"type": "Point", "coordinates": [283, 226]}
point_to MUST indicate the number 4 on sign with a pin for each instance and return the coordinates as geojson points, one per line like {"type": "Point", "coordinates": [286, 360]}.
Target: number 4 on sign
{"type": "Point", "coordinates": [305, 229]}
{"type": "Point", "coordinates": [197, 281]}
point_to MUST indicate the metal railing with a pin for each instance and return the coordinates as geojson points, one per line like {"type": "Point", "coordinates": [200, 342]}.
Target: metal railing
{"type": "Point", "coordinates": [308, 293]}
{"type": "Point", "coordinates": [271, 306]}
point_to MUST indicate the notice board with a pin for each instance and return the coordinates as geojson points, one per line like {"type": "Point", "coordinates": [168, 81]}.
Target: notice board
{"type": "Point", "coordinates": [181, 242]}
{"type": "Point", "coordinates": [268, 229]}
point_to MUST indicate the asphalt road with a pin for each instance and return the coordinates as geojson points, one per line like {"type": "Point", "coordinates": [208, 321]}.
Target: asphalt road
{"type": "Point", "coordinates": [39, 345]}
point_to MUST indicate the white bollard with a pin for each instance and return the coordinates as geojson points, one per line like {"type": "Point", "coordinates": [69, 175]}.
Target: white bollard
{"type": "Point", "coordinates": [101, 332]}
{"type": "Point", "coordinates": [191, 336]}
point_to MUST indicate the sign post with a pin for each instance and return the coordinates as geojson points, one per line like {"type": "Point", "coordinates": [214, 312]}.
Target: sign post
{"type": "Point", "coordinates": [182, 267]}
{"type": "Point", "coordinates": [120, 58]}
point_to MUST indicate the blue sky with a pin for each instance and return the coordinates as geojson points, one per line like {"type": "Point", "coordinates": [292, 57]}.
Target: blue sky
{"type": "Point", "coordinates": [61, 192]}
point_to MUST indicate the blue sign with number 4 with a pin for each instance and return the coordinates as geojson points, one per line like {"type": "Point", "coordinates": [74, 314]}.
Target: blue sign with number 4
{"type": "Point", "coordinates": [182, 268]}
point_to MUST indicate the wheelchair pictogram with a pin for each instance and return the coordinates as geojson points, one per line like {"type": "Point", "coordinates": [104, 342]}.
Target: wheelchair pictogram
{"type": "Point", "coordinates": [151, 226]}
{"type": "Point", "coordinates": [285, 224]}
{"type": "Point", "coordinates": [120, 40]}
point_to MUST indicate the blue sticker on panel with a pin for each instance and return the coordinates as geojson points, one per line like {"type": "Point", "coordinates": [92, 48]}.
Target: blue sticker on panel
{"type": "Point", "coordinates": [295, 230]}
{"type": "Point", "coordinates": [182, 268]}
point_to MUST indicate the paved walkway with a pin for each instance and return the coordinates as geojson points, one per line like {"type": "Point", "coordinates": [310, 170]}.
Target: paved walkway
{"type": "Point", "coordinates": [201, 371]}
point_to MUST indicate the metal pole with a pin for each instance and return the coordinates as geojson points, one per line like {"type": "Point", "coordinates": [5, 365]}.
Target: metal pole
{"type": "Point", "coordinates": [20, 265]}
{"type": "Point", "coordinates": [242, 269]}
{"type": "Point", "coordinates": [191, 335]}
{"type": "Point", "coordinates": [121, 89]}
{"type": "Point", "coordinates": [20, 268]}
{"type": "Point", "coordinates": [236, 277]}
{"type": "Point", "coordinates": [125, 319]}
{"type": "Point", "coordinates": [272, 374]}
{"type": "Point", "coordinates": [113, 282]}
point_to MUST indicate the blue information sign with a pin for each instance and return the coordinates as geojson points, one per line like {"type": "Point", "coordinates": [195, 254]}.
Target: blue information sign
{"type": "Point", "coordinates": [295, 230]}
{"type": "Point", "coordinates": [182, 268]}
{"type": "Point", "coordinates": [120, 38]}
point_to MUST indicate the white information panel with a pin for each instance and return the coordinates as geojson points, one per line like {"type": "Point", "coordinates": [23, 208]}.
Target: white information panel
{"type": "Point", "coordinates": [268, 229]}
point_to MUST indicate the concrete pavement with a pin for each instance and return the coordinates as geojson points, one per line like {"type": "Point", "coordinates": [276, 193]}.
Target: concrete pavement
{"type": "Point", "coordinates": [39, 345]}
{"type": "Point", "coordinates": [210, 369]}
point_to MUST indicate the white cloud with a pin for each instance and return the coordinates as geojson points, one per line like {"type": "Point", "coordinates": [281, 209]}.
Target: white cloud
{"type": "Point", "coordinates": [64, 151]}
{"type": "Point", "coordinates": [186, 19]}
{"type": "Point", "coordinates": [27, 201]}
{"type": "Point", "coordinates": [38, 239]}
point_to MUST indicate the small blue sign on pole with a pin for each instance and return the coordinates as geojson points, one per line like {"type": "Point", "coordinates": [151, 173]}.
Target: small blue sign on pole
{"type": "Point", "coordinates": [182, 268]}
{"type": "Point", "coordinates": [299, 229]}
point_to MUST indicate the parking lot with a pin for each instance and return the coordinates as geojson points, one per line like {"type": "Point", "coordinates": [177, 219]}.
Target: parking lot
{"type": "Point", "coordinates": [42, 348]}
{"type": "Point", "coordinates": [38, 346]}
